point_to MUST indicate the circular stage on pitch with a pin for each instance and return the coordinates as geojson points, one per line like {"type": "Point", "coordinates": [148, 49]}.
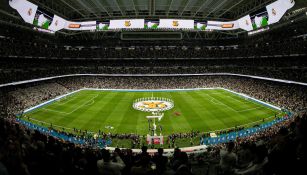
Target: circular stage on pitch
{"type": "Point", "coordinates": [153, 104]}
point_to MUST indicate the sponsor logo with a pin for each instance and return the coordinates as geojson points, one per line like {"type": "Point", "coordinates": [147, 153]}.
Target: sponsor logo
{"type": "Point", "coordinates": [247, 22]}
{"type": "Point", "coordinates": [127, 23]}
{"type": "Point", "coordinates": [74, 26]}
{"type": "Point", "coordinates": [228, 25]}
{"type": "Point", "coordinates": [30, 11]}
{"type": "Point", "coordinates": [274, 12]}
{"type": "Point", "coordinates": [153, 104]}
{"type": "Point", "coordinates": [175, 23]}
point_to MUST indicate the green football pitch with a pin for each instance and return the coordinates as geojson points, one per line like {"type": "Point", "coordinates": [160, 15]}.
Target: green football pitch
{"type": "Point", "coordinates": [198, 110]}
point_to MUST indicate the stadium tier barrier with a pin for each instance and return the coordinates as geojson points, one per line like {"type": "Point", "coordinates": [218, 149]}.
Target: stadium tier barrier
{"type": "Point", "coordinates": [204, 141]}
{"type": "Point", "coordinates": [253, 99]}
{"type": "Point", "coordinates": [223, 138]}
{"type": "Point", "coordinates": [100, 143]}
{"type": "Point", "coordinates": [152, 75]}
{"type": "Point", "coordinates": [49, 102]}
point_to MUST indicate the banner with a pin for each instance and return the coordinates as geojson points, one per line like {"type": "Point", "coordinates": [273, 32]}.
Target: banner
{"type": "Point", "coordinates": [90, 25]}
{"type": "Point", "coordinates": [57, 24]}
{"type": "Point", "coordinates": [26, 10]}
{"type": "Point", "coordinates": [277, 9]}
{"type": "Point", "coordinates": [245, 23]}
{"type": "Point", "coordinates": [259, 18]}
{"type": "Point", "coordinates": [202, 25]}
{"type": "Point", "coordinates": [154, 140]}
{"type": "Point", "coordinates": [102, 26]}
{"type": "Point", "coordinates": [216, 25]}
{"type": "Point", "coordinates": [176, 24]}
{"type": "Point", "coordinates": [127, 24]}
{"type": "Point", "coordinates": [42, 18]}
{"type": "Point", "coordinates": [151, 24]}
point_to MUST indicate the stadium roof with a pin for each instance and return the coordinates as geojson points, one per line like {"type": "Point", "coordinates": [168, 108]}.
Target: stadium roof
{"type": "Point", "coordinates": [111, 9]}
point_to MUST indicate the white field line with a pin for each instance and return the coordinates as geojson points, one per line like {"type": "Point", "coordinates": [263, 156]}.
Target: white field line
{"type": "Point", "coordinates": [236, 99]}
{"type": "Point", "coordinates": [78, 107]}
{"type": "Point", "coordinates": [63, 103]}
{"type": "Point", "coordinates": [92, 102]}
{"type": "Point", "coordinates": [267, 107]}
{"type": "Point", "coordinates": [55, 126]}
{"type": "Point", "coordinates": [83, 104]}
{"type": "Point", "coordinates": [258, 121]}
{"type": "Point", "coordinates": [250, 109]}
{"type": "Point", "coordinates": [217, 93]}
{"type": "Point", "coordinates": [223, 103]}
{"type": "Point", "coordinates": [58, 126]}
{"type": "Point", "coordinates": [51, 110]}
{"type": "Point", "coordinates": [217, 103]}
{"type": "Point", "coordinates": [252, 101]}
{"type": "Point", "coordinates": [50, 101]}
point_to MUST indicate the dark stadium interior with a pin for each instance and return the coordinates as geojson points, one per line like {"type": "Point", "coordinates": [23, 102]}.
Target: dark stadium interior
{"type": "Point", "coordinates": [201, 59]}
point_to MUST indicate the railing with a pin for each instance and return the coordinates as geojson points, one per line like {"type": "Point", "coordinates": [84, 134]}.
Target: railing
{"type": "Point", "coordinates": [223, 138]}
{"type": "Point", "coordinates": [99, 142]}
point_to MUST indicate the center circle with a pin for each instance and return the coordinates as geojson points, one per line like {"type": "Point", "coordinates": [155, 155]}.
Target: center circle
{"type": "Point", "coordinates": [153, 104]}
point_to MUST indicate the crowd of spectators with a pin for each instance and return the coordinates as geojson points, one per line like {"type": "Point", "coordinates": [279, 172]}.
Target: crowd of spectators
{"type": "Point", "coordinates": [11, 47]}
{"type": "Point", "coordinates": [40, 55]}
{"type": "Point", "coordinates": [282, 68]}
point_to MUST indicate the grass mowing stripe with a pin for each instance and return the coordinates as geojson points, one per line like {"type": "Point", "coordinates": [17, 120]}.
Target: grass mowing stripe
{"type": "Point", "coordinates": [191, 116]}
{"type": "Point", "coordinates": [213, 117]}
{"type": "Point", "coordinates": [129, 120]}
{"type": "Point", "coordinates": [141, 125]}
{"type": "Point", "coordinates": [167, 121]}
{"type": "Point", "coordinates": [76, 113]}
{"type": "Point", "coordinates": [250, 107]}
{"type": "Point", "coordinates": [252, 115]}
{"type": "Point", "coordinates": [227, 113]}
{"type": "Point", "coordinates": [93, 121]}
{"type": "Point", "coordinates": [223, 115]}
{"type": "Point", "coordinates": [118, 113]}
{"type": "Point", "coordinates": [176, 121]}
{"type": "Point", "coordinates": [237, 116]}
{"type": "Point", "coordinates": [106, 109]}
{"type": "Point", "coordinates": [79, 102]}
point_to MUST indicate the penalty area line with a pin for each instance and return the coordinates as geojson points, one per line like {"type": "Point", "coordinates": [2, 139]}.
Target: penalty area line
{"type": "Point", "coordinates": [221, 103]}
{"type": "Point", "coordinates": [250, 109]}
{"type": "Point", "coordinates": [53, 125]}
{"type": "Point", "coordinates": [84, 104]}
{"type": "Point", "coordinates": [51, 110]}
{"type": "Point", "coordinates": [87, 103]}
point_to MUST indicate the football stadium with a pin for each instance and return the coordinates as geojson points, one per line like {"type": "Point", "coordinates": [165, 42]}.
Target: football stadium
{"type": "Point", "coordinates": [187, 87]}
